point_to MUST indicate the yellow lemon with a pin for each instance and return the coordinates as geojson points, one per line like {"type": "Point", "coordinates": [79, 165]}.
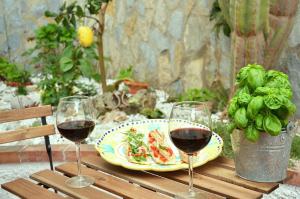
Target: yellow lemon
{"type": "Point", "coordinates": [85, 36]}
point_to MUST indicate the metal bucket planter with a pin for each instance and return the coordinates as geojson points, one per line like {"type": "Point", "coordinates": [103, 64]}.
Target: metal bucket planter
{"type": "Point", "coordinates": [264, 161]}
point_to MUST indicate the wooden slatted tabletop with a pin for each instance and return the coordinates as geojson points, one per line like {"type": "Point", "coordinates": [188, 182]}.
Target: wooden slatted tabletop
{"type": "Point", "coordinates": [215, 179]}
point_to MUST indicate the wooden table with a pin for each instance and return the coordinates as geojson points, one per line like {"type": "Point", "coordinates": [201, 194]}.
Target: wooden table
{"type": "Point", "coordinates": [215, 179]}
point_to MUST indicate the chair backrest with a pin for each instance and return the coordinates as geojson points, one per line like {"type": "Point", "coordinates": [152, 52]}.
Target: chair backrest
{"type": "Point", "coordinates": [26, 133]}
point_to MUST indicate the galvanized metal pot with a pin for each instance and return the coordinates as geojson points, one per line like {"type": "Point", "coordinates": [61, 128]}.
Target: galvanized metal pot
{"type": "Point", "coordinates": [264, 161]}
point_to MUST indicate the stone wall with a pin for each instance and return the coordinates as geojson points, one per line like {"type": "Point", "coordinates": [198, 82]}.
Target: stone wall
{"type": "Point", "coordinates": [170, 43]}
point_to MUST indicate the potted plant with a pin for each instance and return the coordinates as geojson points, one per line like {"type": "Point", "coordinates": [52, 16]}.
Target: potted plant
{"type": "Point", "coordinates": [259, 114]}
{"type": "Point", "coordinates": [14, 76]}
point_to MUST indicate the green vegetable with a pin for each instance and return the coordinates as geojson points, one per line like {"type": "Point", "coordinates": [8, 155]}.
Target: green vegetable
{"type": "Point", "coordinates": [273, 101]}
{"type": "Point", "coordinates": [255, 77]}
{"type": "Point", "coordinates": [255, 106]}
{"type": "Point", "coordinates": [240, 118]}
{"type": "Point", "coordinates": [244, 99]}
{"type": "Point", "coordinates": [272, 124]}
{"type": "Point", "coordinates": [242, 76]}
{"type": "Point", "coordinates": [135, 141]}
{"type": "Point", "coordinates": [243, 96]}
{"type": "Point", "coordinates": [259, 122]}
{"type": "Point", "coordinates": [262, 102]}
{"type": "Point", "coordinates": [251, 133]}
{"type": "Point", "coordinates": [233, 106]}
{"type": "Point", "coordinates": [231, 127]}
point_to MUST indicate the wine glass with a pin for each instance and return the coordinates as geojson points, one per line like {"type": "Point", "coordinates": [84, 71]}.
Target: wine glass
{"type": "Point", "coordinates": [190, 131]}
{"type": "Point", "coordinates": [75, 121]}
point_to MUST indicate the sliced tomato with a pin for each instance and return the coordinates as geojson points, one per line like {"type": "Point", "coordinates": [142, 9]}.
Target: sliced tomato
{"type": "Point", "coordinates": [151, 140]}
{"type": "Point", "coordinates": [170, 151]}
{"type": "Point", "coordinates": [162, 158]}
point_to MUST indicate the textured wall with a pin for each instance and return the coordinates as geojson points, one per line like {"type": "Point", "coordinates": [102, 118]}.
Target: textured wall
{"type": "Point", "coordinates": [170, 43]}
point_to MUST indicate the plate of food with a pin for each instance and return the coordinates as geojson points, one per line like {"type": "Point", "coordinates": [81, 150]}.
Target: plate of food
{"type": "Point", "coordinates": [145, 145]}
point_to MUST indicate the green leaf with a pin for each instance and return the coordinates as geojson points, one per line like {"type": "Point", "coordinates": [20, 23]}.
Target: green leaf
{"type": "Point", "coordinates": [255, 105]}
{"type": "Point", "coordinates": [68, 52]}
{"type": "Point", "coordinates": [71, 7]}
{"type": "Point", "coordinates": [86, 67]}
{"type": "Point", "coordinates": [66, 64]}
{"type": "Point", "coordinates": [73, 20]}
{"type": "Point", "coordinates": [69, 76]}
{"type": "Point", "coordinates": [233, 106]}
{"type": "Point", "coordinates": [58, 18]}
{"type": "Point", "coordinates": [251, 133]}
{"type": "Point", "coordinates": [255, 77]}
{"type": "Point", "coordinates": [96, 77]}
{"type": "Point", "coordinates": [272, 124]}
{"type": "Point", "coordinates": [273, 101]}
{"type": "Point", "coordinates": [240, 118]}
{"type": "Point", "coordinates": [79, 12]}
{"type": "Point", "coordinates": [242, 76]}
{"type": "Point", "coordinates": [50, 14]}
{"type": "Point", "coordinates": [231, 127]}
{"type": "Point", "coordinates": [259, 122]}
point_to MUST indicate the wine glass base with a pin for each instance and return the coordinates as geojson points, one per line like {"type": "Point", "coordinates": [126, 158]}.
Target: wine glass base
{"type": "Point", "coordinates": [190, 195]}
{"type": "Point", "coordinates": [80, 181]}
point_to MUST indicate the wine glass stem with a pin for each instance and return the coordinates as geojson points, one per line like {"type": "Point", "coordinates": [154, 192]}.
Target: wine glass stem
{"type": "Point", "coordinates": [191, 173]}
{"type": "Point", "coordinates": [78, 158]}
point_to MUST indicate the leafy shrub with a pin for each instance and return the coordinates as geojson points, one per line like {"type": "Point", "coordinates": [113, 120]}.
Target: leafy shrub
{"type": "Point", "coordinates": [62, 58]}
{"type": "Point", "coordinates": [12, 73]}
{"type": "Point", "coordinates": [217, 97]}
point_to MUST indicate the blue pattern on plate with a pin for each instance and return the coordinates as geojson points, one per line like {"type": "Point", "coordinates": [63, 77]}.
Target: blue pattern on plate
{"type": "Point", "coordinates": [107, 148]}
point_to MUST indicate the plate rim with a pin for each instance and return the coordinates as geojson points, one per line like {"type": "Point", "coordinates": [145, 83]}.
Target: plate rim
{"type": "Point", "coordinates": [139, 168]}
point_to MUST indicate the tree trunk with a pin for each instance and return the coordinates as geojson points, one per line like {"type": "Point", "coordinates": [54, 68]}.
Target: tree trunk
{"type": "Point", "coordinates": [100, 48]}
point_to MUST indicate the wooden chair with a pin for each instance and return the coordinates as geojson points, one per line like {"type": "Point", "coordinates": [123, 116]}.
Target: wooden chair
{"type": "Point", "coordinates": [31, 132]}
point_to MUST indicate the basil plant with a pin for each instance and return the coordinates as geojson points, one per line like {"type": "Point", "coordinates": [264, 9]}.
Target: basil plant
{"type": "Point", "coordinates": [262, 102]}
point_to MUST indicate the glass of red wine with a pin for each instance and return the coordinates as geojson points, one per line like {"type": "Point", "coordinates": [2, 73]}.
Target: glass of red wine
{"type": "Point", "coordinates": [190, 131]}
{"type": "Point", "coordinates": [75, 121]}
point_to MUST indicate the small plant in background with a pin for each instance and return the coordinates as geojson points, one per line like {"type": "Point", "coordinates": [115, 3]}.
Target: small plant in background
{"type": "Point", "coordinates": [262, 102]}
{"type": "Point", "coordinates": [65, 53]}
{"type": "Point", "coordinates": [295, 150]}
{"type": "Point", "coordinates": [152, 113]}
{"type": "Point", "coordinates": [62, 60]}
{"type": "Point", "coordinates": [14, 76]}
{"type": "Point", "coordinates": [126, 73]}
{"type": "Point", "coordinates": [70, 15]}
{"type": "Point", "coordinates": [218, 97]}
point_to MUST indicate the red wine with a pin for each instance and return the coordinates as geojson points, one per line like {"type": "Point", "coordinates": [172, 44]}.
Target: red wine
{"type": "Point", "coordinates": [190, 140]}
{"type": "Point", "coordinates": [76, 131]}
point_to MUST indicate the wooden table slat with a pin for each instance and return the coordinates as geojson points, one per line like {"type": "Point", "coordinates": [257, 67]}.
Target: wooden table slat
{"type": "Point", "coordinates": [213, 185]}
{"type": "Point", "coordinates": [28, 190]}
{"type": "Point", "coordinates": [213, 170]}
{"type": "Point", "coordinates": [112, 184]}
{"type": "Point", "coordinates": [57, 181]}
{"type": "Point", "coordinates": [163, 185]}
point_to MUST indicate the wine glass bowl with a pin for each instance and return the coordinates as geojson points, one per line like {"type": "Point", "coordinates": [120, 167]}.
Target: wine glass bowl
{"type": "Point", "coordinates": [192, 135]}
{"type": "Point", "coordinates": [75, 121]}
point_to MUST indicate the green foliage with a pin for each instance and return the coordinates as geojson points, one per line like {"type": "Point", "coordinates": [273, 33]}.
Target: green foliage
{"type": "Point", "coordinates": [152, 113]}
{"type": "Point", "coordinates": [12, 73]}
{"type": "Point", "coordinates": [262, 102]}
{"type": "Point", "coordinates": [125, 73]}
{"type": "Point", "coordinates": [295, 150]}
{"type": "Point", "coordinates": [217, 96]}
{"type": "Point", "coordinates": [62, 58]}
{"type": "Point", "coordinates": [70, 14]}
{"type": "Point", "coordinates": [222, 130]}
{"type": "Point", "coordinates": [220, 22]}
